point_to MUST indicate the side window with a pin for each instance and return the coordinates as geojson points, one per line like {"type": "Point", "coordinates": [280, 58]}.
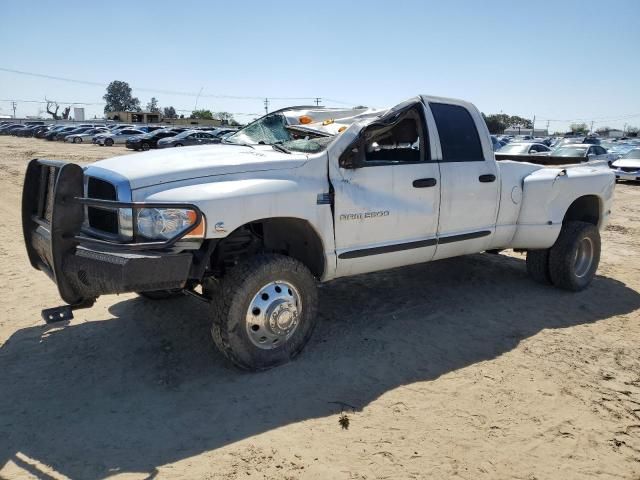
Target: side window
{"type": "Point", "coordinates": [458, 133]}
{"type": "Point", "coordinates": [400, 141]}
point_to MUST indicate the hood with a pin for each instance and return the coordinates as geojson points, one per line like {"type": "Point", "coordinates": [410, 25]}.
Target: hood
{"type": "Point", "coordinates": [627, 163]}
{"type": "Point", "coordinates": [176, 164]}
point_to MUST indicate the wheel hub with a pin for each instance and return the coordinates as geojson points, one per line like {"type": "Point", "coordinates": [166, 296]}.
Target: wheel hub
{"type": "Point", "coordinates": [584, 257]}
{"type": "Point", "coordinates": [273, 315]}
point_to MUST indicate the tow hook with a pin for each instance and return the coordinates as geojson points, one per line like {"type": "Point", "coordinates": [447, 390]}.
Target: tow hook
{"type": "Point", "coordinates": [64, 312]}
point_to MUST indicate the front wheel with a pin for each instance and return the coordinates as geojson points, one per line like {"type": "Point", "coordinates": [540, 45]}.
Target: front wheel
{"type": "Point", "coordinates": [108, 142]}
{"type": "Point", "coordinates": [264, 311]}
{"type": "Point", "coordinates": [145, 146]}
{"type": "Point", "coordinates": [77, 140]}
{"type": "Point", "coordinates": [574, 258]}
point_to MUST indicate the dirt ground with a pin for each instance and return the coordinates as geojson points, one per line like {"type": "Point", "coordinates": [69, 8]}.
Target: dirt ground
{"type": "Point", "coordinates": [462, 368]}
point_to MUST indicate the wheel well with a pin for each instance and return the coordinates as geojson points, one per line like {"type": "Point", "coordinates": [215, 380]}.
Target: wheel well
{"type": "Point", "coordinates": [584, 209]}
{"type": "Point", "coordinates": [293, 237]}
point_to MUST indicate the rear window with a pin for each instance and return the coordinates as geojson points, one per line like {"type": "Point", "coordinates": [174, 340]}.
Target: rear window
{"type": "Point", "coordinates": [458, 134]}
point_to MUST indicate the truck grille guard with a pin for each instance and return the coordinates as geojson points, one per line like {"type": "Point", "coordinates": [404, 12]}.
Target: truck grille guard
{"type": "Point", "coordinates": [53, 215]}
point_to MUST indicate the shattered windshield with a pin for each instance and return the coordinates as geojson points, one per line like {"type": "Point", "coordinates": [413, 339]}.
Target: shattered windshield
{"type": "Point", "coordinates": [272, 129]}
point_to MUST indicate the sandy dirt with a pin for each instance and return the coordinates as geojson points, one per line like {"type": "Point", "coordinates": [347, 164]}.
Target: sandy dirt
{"type": "Point", "coordinates": [462, 368]}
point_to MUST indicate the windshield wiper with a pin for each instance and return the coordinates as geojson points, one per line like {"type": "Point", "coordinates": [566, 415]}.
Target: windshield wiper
{"type": "Point", "coordinates": [277, 146]}
{"type": "Point", "coordinates": [240, 144]}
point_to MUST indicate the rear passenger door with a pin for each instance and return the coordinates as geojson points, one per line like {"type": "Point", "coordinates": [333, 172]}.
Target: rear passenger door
{"type": "Point", "coordinates": [469, 182]}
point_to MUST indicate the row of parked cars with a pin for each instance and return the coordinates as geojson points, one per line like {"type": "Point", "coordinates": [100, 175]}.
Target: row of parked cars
{"type": "Point", "coordinates": [623, 156]}
{"type": "Point", "coordinates": [134, 137]}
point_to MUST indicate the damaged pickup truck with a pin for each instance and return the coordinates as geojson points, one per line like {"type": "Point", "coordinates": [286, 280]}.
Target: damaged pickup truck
{"type": "Point", "coordinates": [300, 196]}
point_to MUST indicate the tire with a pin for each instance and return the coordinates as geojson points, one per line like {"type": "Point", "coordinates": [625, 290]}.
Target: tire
{"type": "Point", "coordinates": [161, 294]}
{"type": "Point", "coordinates": [574, 258]}
{"type": "Point", "coordinates": [77, 140]}
{"type": "Point", "coordinates": [178, 145]}
{"type": "Point", "coordinates": [234, 310]}
{"type": "Point", "coordinates": [145, 146]}
{"type": "Point", "coordinates": [109, 142]}
{"type": "Point", "coordinates": [538, 266]}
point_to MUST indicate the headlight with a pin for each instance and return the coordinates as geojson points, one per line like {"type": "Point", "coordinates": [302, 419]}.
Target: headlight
{"type": "Point", "coordinates": [166, 223]}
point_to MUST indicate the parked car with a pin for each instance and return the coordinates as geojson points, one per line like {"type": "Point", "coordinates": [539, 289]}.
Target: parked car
{"type": "Point", "coordinates": [85, 136]}
{"type": "Point", "coordinates": [150, 140]}
{"type": "Point", "coordinates": [118, 137]}
{"type": "Point", "coordinates": [524, 148]}
{"type": "Point", "coordinates": [9, 129]}
{"type": "Point", "coordinates": [585, 151]}
{"type": "Point", "coordinates": [251, 229]}
{"type": "Point", "coordinates": [110, 129]}
{"type": "Point", "coordinates": [53, 133]}
{"type": "Point", "coordinates": [627, 167]}
{"type": "Point", "coordinates": [39, 130]}
{"type": "Point", "coordinates": [62, 135]}
{"type": "Point", "coordinates": [188, 138]}
{"type": "Point", "coordinates": [27, 131]}
{"type": "Point", "coordinates": [151, 128]}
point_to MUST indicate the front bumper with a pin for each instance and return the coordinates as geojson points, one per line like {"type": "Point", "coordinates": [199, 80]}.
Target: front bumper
{"type": "Point", "coordinates": [83, 267]}
{"type": "Point", "coordinates": [622, 175]}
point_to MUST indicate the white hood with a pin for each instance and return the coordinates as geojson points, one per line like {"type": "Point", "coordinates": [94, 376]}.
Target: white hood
{"type": "Point", "coordinates": [183, 163]}
{"type": "Point", "coordinates": [627, 163]}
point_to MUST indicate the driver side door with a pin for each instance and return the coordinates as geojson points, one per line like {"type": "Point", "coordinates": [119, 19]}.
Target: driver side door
{"type": "Point", "coordinates": [386, 208]}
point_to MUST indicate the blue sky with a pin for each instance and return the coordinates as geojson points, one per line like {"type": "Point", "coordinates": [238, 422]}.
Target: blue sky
{"type": "Point", "coordinates": [559, 60]}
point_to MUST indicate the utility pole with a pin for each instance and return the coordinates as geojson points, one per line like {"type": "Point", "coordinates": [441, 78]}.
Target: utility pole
{"type": "Point", "coordinates": [591, 131]}
{"type": "Point", "coordinates": [195, 107]}
{"type": "Point", "coordinates": [318, 100]}
{"type": "Point", "coordinates": [548, 121]}
{"type": "Point", "coordinates": [533, 126]}
{"type": "Point", "coordinates": [266, 105]}
{"type": "Point", "coordinates": [14, 105]}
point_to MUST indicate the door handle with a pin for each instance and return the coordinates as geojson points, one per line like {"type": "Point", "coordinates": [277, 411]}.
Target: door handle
{"type": "Point", "coordinates": [425, 182]}
{"type": "Point", "coordinates": [488, 178]}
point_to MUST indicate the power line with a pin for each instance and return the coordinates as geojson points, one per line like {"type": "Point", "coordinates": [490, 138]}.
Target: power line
{"type": "Point", "coordinates": [162, 91]}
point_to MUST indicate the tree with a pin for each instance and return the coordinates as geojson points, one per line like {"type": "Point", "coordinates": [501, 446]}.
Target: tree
{"type": "Point", "coordinates": [170, 112]}
{"type": "Point", "coordinates": [225, 118]}
{"type": "Point", "coordinates": [202, 114]}
{"type": "Point", "coordinates": [50, 106]}
{"type": "Point", "coordinates": [152, 106]}
{"type": "Point", "coordinates": [581, 128]}
{"type": "Point", "coordinates": [604, 131]}
{"type": "Point", "coordinates": [119, 99]}
{"type": "Point", "coordinates": [498, 122]}
{"type": "Point", "coordinates": [65, 113]}
{"type": "Point", "coordinates": [633, 131]}
{"type": "Point", "coordinates": [516, 121]}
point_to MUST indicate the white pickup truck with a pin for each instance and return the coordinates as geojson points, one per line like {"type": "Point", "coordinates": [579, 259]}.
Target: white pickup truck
{"type": "Point", "coordinates": [300, 196]}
